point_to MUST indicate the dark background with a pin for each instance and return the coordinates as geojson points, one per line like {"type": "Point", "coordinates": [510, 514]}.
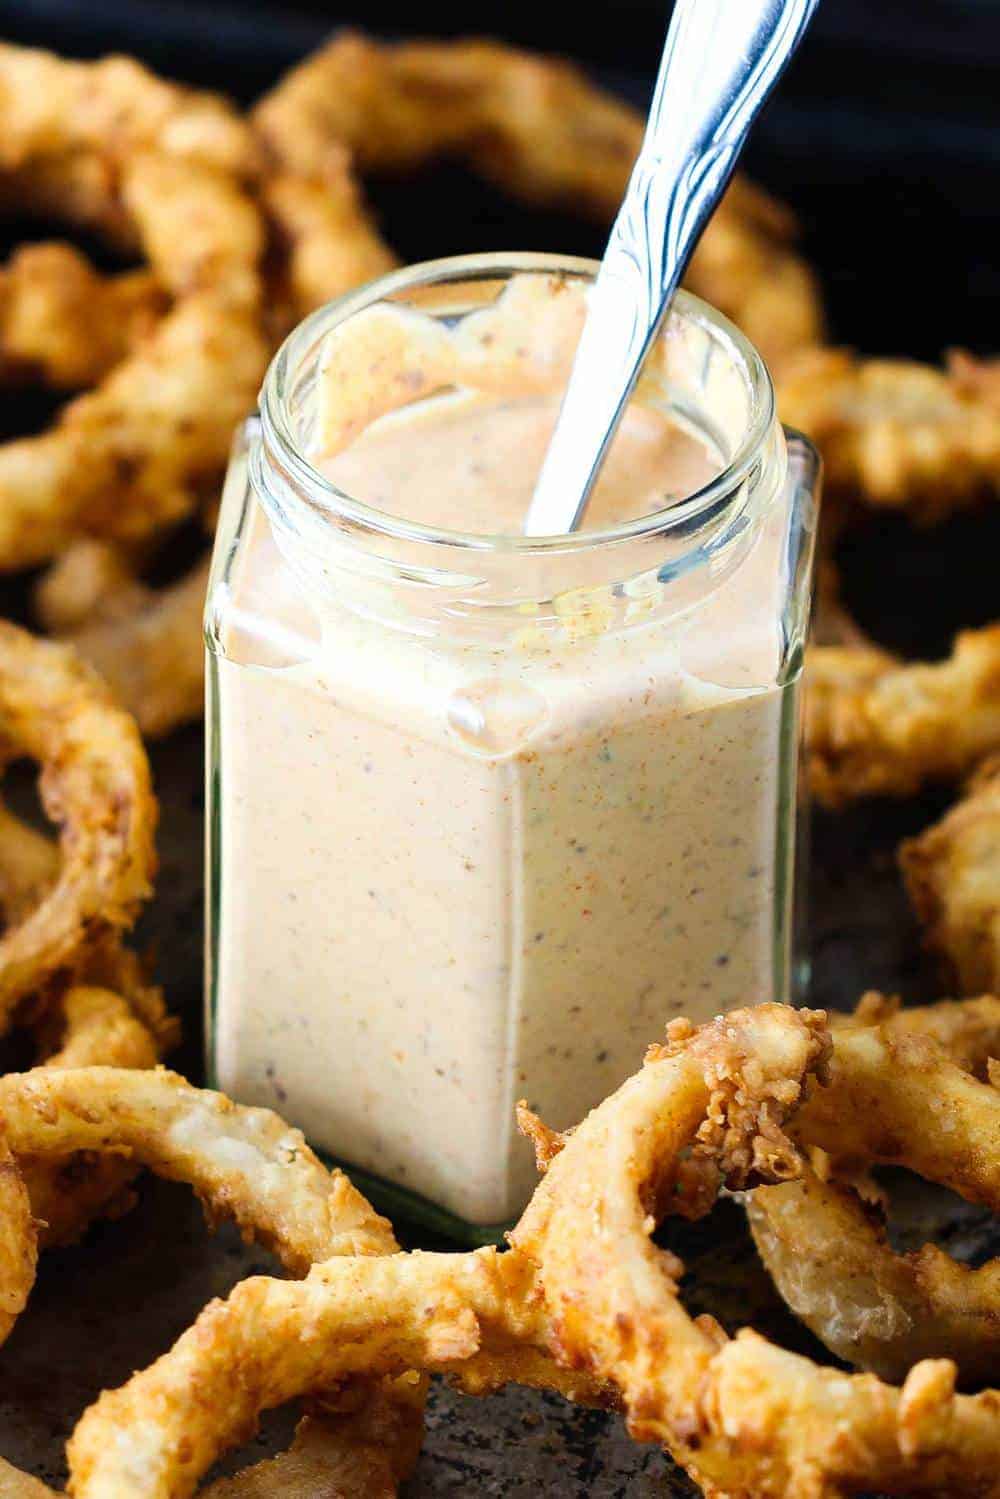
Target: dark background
{"type": "Point", "coordinates": [883, 135]}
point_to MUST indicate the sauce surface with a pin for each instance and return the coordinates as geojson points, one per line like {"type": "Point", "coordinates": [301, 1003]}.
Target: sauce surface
{"type": "Point", "coordinates": [468, 462]}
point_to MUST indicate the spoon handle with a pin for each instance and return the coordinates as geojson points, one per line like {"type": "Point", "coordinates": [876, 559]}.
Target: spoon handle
{"type": "Point", "coordinates": [720, 62]}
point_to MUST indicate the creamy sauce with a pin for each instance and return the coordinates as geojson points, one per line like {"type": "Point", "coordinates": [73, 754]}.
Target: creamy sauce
{"type": "Point", "coordinates": [455, 877]}
{"type": "Point", "coordinates": [467, 462]}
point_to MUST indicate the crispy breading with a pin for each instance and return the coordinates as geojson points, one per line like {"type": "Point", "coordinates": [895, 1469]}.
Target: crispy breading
{"type": "Point", "coordinates": [897, 434]}
{"type": "Point", "coordinates": [827, 1248]}
{"type": "Point", "coordinates": [96, 787]}
{"type": "Point", "coordinates": [64, 323]}
{"type": "Point", "coordinates": [876, 725]}
{"type": "Point", "coordinates": [952, 874]}
{"type": "Point", "coordinates": [53, 106]}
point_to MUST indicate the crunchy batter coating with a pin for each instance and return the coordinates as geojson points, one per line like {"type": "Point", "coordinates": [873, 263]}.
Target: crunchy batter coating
{"type": "Point", "coordinates": [828, 1250]}
{"type": "Point", "coordinates": [248, 1165]}
{"type": "Point", "coordinates": [898, 434]}
{"type": "Point", "coordinates": [95, 785]}
{"type": "Point", "coordinates": [272, 1340]}
{"type": "Point", "coordinates": [147, 644]}
{"type": "Point", "coordinates": [876, 725]}
{"type": "Point", "coordinates": [63, 323]}
{"type": "Point", "coordinates": [952, 874]}
{"type": "Point", "coordinates": [53, 106]}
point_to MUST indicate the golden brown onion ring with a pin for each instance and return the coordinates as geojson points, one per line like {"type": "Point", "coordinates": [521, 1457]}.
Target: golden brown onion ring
{"type": "Point", "coordinates": [952, 874]}
{"type": "Point", "coordinates": [51, 106]}
{"type": "Point", "coordinates": [729, 1088]}
{"type": "Point", "coordinates": [363, 1453]}
{"type": "Point", "coordinates": [249, 1166]}
{"type": "Point", "coordinates": [246, 1164]}
{"type": "Point", "coordinates": [102, 1012]}
{"type": "Point", "coordinates": [967, 1029]}
{"type": "Point", "coordinates": [327, 238]}
{"type": "Point", "coordinates": [829, 1254]}
{"type": "Point", "coordinates": [95, 786]}
{"type": "Point", "coordinates": [537, 127]}
{"type": "Point", "coordinates": [146, 643]}
{"type": "Point", "coordinates": [63, 323]}
{"type": "Point", "coordinates": [741, 1415]}
{"type": "Point", "coordinates": [18, 1243]}
{"type": "Point", "coordinates": [876, 725]}
{"type": "Point", "coordinates": [273, 1340]}
{"type": "Point", "coordinates": [893, 433]}
{"type": "Point", "coordinates": [130, 457]}
{"type": "Point", "coordinates": [145, 161]}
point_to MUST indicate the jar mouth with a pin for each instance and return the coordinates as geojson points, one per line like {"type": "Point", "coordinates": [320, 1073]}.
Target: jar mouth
{"type": "Point", "coordinates": [323, 496]}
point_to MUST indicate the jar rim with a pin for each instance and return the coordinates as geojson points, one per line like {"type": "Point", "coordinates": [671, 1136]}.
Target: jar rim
{"type": "Point", "coordinates": [323, 495]}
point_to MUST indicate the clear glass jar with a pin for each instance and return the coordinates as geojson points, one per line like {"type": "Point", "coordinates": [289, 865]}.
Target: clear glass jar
{"type": "Point", "coordinates": [485, 812]}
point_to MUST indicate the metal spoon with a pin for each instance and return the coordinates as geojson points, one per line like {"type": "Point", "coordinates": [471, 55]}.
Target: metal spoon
{"type": "Point", "coordinates": [721, 60]}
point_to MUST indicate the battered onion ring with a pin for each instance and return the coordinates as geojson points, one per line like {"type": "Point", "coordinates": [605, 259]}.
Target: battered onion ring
{"type": "Point", "coordinates": [128, 458]}
{"type": "Point", "coordinates": [896, 434]}
{"type": "Point", "coordinates": [829, 1254]}
{"type": "Point", "coordinates": [273, 1340]}
{"type": "Point", "coordinates": [95, 786]}
{"type": "Point", "coordinates": [537, 127]}
{"type": "Point", "coordinates": [147, 643]}
{"type": "Point", "coordinates": [245, 1164]}
{"type": "Point", "coordinates": [362, 1454]}
{"type": "Point", "coordinates": [63, 323]}
{"type": "Point", "coordinates": [327, 238]}
{"type": "Point", "coordinates": [52, 105]}
{"type": "Point", "coordinates": [876, 725]}
{"type": "Point", "coordinates": [103, 1012]}
{"type": "Point", "coordinates": [741, 1415]}
{"type": "Point", "coordinates": [18, 1243]}
{"type": "Point", "coordinates": [952, 874]}
{"type": "Point", "coordinates": [132, 456]}
{"type": "Point", "coordinates": [249, 1166]}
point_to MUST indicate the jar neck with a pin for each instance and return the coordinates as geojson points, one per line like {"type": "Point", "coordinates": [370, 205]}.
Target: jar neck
{"type": "Point", "coordinates": [418, 578]}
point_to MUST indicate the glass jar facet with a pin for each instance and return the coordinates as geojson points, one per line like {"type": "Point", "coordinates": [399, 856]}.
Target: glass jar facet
{"type": "Point", "coordinates": [486, 812]}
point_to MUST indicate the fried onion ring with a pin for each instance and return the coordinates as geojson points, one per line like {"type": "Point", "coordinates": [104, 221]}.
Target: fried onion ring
{"type": "Point", "coordinates": [127, 458]}
{"type": "Point", "coordinates": [952, 874]}
{"type": "Point", "coordinates": [896, 434]}
{"type": "Point", "coordinates": [877, 726]}
{"type": "Point", "coordinates": [53, 105]}
{"type": "Point", "coordinates": [95, 786]}
{"type": "Point", "coordinates": [741, 1415]}
{"type": "Point", "coordinates": [246, 1164]}
{"type": "Point", "coordinates": [273, 1340]}
{"type": "Point", "coordinates": [66, 325]}
{"type": "Point", "coordinates": [89, 1026]}
{"type": "Point", "coordinates": [18, 1243]}
{"type": "Point", "coordinates": [827, 1250]}
{"type": "Point", "coordinates": [146, 643]}
{"type": "Point", "coordinates": [539, 129]}
{"type": "Point", "coordinates": [102, 1012]}
{"type": "Point", "coordinates": [249, 1166]}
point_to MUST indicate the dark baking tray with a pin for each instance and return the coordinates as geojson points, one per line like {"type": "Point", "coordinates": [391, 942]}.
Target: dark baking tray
{"type": "Point", "coordinates": [883, 141]}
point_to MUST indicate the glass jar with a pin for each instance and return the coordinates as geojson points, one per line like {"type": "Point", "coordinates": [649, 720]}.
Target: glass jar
{"type": "Point", "coordinates": [486, 811]}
